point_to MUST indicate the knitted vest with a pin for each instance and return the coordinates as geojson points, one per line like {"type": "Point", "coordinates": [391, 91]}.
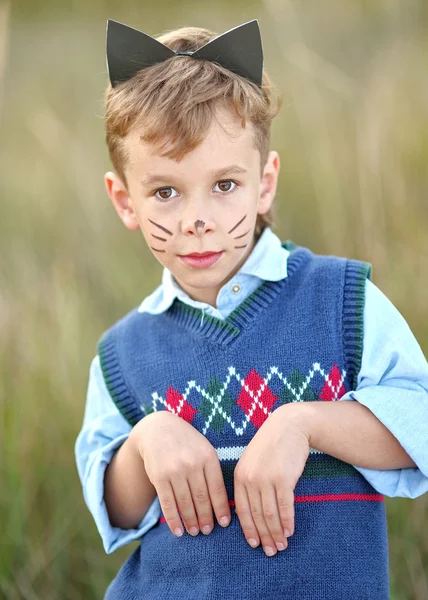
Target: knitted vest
{"type": "Point", "coordinates": [295, 340]}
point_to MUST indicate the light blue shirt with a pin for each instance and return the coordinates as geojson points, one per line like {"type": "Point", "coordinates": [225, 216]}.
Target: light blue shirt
{"type": "Point", "coordinates": [392, 383]}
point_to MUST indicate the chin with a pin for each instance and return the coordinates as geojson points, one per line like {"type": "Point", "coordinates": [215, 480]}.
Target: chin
{"type": "Point", "coordinates": [203, 280]}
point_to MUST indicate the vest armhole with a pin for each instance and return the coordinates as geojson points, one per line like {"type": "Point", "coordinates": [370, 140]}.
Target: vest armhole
{"type": "Point", "coordinates": [115, 381]}
{"type": "Point", "coordinates": [356, 273]}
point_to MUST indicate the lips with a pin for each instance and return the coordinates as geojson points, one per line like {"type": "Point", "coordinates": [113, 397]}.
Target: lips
{"type": "Point", "coordinates": [200, 254]}
{"type": "Point", "coordinates": [201, 260]}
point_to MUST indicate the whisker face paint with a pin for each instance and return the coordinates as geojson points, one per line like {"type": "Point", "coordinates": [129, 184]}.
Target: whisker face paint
{"type": "Point", "coordinates": [243, 235]}
{"type": "Point", "coordinates": [160, 227]}
{"type": "Point", "coordinates": [237, 225]}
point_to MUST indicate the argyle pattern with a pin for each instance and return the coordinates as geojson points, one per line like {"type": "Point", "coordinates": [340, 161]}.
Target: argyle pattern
{"type": "Point", "coordinates": [255, 399]}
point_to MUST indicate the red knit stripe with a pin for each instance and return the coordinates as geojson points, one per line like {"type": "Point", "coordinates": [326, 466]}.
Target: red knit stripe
{"type": "Point", "coordinates": [324, 498]}
{"type": "Point", "coordinates": [340, 498]}
{"type": "Point", "coordinates": [334, 498]}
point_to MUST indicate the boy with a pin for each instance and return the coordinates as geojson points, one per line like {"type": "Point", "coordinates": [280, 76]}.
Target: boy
{"type": "Point", "coordinates": [217, 394]}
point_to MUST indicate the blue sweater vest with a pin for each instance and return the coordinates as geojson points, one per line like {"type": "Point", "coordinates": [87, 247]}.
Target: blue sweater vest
{"type": "Point", "coordinates": [295, 340]}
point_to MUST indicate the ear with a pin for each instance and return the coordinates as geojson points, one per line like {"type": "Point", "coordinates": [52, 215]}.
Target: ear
{"type": "Point", "coordinates": [118, 194]}
{"type": "Point", "coordinates": [268, 183]}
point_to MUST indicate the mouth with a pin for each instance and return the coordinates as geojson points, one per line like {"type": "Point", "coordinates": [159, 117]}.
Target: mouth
{"type": "Point", "coordinates": [201, 260]}
{"type": "Point", "coordinates": [199, 254]}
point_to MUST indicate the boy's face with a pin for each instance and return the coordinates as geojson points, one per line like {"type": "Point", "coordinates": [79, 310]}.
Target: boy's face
{"type": "Point", "coordinates": [207, 202]}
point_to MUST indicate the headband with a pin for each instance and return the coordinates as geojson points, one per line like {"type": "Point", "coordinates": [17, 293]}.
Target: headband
{"type": "Point", "coordinates": [238, 50]}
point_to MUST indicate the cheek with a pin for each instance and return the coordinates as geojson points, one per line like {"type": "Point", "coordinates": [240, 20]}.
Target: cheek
{"type": "Point", "coordinates": [165, 214]}
{"type": "Point", "coordinates": [158, 231]}
{"type": "Point", "coordinates": [235, 208]}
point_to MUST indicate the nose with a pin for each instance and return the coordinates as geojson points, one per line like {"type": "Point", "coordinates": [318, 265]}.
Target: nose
{"type": "Point", "coordinates": [195, 223]}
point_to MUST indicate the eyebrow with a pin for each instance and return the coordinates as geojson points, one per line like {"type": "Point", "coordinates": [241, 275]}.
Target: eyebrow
{"type": "Point", "coordinates": [152, 179]}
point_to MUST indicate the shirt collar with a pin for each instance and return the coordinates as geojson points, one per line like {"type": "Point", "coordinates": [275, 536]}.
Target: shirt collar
{"type": "Point", "coordinates": [267, 261]}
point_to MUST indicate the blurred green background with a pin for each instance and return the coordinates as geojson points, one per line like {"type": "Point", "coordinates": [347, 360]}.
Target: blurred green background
{"type": "Point", "coordinates": [353, 138]}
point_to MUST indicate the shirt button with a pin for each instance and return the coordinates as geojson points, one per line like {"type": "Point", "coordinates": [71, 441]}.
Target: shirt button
{"type": "Point", "coordinates": [236, 288]}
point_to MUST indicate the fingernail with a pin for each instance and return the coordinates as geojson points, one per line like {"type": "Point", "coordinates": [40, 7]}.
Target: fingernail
{"type": "Point", "coordinates": [280, 546]}
{"type": "Point", "coordinates": [178, 531]}
{"type": "Point", "coordinates": [193, 531]}
{"type": "Point", "coordinates": [287, 533]}
{"type": "Point", "coordinates": [206, 529]}
{"type": "Point", "coordinates": [224, 521]}
{"type": "Point", "coordinates": [252, 542]}
{"type": "Point", "coordinates": [269, 551]}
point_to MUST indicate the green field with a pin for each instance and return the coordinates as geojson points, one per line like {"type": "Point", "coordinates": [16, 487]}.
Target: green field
{"type": "Point", "coordinates": [353, 140]}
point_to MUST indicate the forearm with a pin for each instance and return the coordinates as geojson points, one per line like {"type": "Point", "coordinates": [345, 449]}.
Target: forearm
{"type": "Point", "coordinates": [128, 492]}
{"type": "Point", "coordinates": [350, 432]}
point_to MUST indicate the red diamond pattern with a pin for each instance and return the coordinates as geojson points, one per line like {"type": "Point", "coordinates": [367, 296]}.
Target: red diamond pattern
{"type": "Point", "coordinates": [173, 400]}
{"type": "Point", "coordinates": [333, 388]}
{"type": "Point", "coordinates": [254, 382]}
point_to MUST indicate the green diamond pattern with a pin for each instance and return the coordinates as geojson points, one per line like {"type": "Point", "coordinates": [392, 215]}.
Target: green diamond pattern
{"type": "Point", "coordinates": [225, 401]}
{"type": "Point", "coordinates": [297, 382]}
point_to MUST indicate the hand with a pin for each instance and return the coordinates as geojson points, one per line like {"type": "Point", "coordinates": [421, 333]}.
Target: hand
{"type": "Point", "coordinates": [265, 478]}
{"type": "Point", "coordinates": [185, 470]}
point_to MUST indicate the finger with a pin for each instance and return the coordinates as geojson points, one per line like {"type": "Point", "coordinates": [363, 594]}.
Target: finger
{"type": "Point", "coordinates": [185, 505]}
{"type": "Point", "coordinates": [202, 502]}
{"type": "Point", "coordinates": [256, 506]}
{"type": "Point", "coordinates": [169, 508]}
{"type": "Point", "coordinates": [243, 510]}
{"type": "Point", "coordinates": [217, 491]}
{"type": "Point", "coordinates": [285, 502]}
{"type": "Point", "coordinates": [271, 515]}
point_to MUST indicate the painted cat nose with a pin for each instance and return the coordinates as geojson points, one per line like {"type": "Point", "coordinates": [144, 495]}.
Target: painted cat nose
{"type": "Point", "coordinates": [198, 227]}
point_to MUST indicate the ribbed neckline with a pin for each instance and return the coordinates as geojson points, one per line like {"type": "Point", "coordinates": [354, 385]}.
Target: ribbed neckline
{"type": "Point", "coordinates": [224, 331]}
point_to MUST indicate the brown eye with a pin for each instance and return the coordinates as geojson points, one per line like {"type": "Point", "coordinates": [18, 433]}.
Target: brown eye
{"type": "Point", "coordinates": [226, 185]}
{"type": "Point", "coordinates": [165, 193]}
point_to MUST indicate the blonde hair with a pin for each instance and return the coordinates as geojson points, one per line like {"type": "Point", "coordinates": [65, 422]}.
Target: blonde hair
{"type": "Point", "coordinates": [181, 96]}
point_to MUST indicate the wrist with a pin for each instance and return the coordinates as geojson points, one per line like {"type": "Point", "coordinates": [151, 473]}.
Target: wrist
{"type": "Point", "coordinates": [138, 434]}
{"type": "Point", "coordinates": [298, 416]}
{"type": "Point", "coordinates": [136, 437]}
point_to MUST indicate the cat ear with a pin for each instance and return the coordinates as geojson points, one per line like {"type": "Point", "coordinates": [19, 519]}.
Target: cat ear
{"type": "Point", "coordinates": [129, 50]}
{"type": "Point", "coordinates": [239, 50]}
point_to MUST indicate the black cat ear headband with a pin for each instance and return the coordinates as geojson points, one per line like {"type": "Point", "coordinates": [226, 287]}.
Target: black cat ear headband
{"type": "Point", "coordinates": [238, 50]}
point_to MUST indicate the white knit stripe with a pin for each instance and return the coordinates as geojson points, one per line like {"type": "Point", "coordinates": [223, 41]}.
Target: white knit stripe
{"type": "Point", "coordinates": [216, 401]}
{"type": "Point", "coordinates": [235, 452]}
{"type": "Point", "coordinates": [231, 453]}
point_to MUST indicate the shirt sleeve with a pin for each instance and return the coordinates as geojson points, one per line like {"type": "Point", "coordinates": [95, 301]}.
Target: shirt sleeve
{"type": "Point", "coordinates": [103, 431]}
{"type": "Point", "coordinates": [393, 384]}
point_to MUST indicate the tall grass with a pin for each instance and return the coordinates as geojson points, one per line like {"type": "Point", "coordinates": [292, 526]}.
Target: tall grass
{"type": "Point", "coordinates": [353, 138]}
